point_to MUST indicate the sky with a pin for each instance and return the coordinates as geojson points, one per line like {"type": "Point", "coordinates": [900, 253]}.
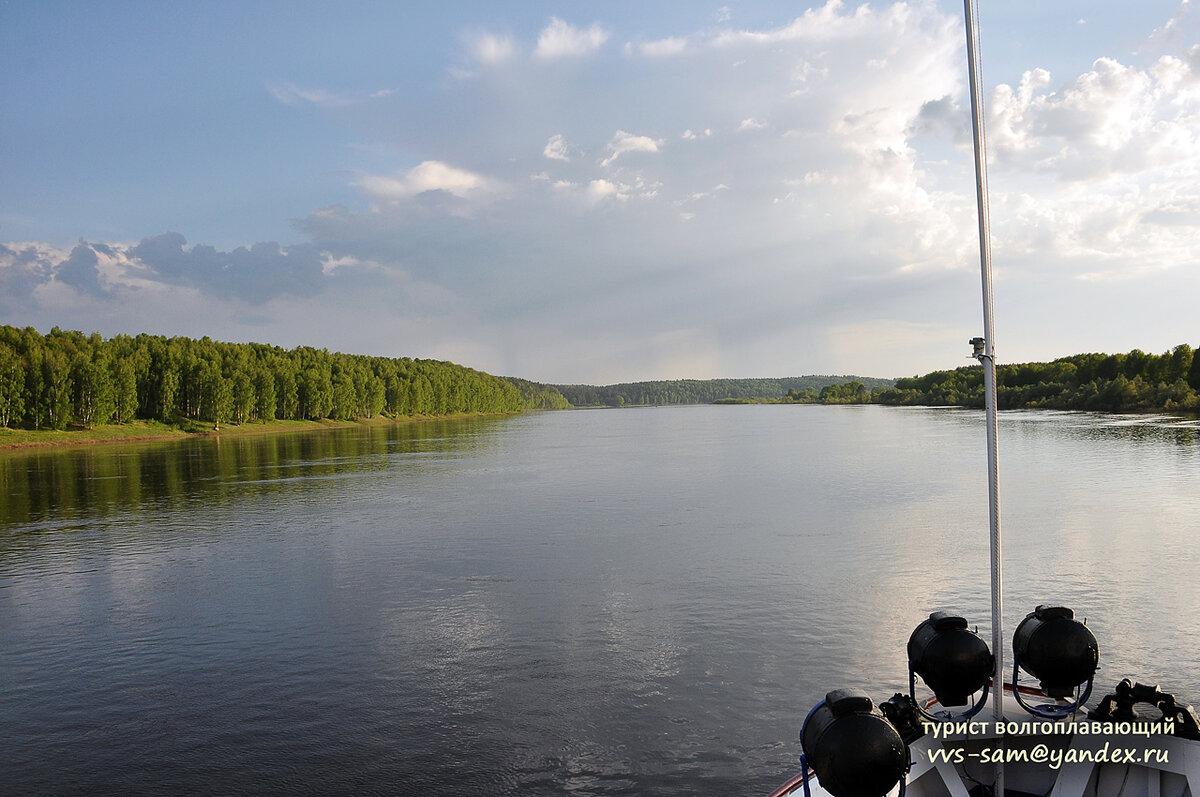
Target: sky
{"type": "Point", "coordinates": [595, 192]}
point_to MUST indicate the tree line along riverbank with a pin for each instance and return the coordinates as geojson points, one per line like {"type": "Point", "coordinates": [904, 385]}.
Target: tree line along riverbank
{"type": "Point", "coordinates": [64, 380]}
{"type": "Point", "coordinates": [703, 391]}
{"type": "Point", "coordinates": [65, 387]}
{"type": "Point", "coordinates": [1133, 382]}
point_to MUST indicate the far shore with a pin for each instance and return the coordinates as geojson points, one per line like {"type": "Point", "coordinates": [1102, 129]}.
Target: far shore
{"type": "Point", "coordinates": [152, 431]}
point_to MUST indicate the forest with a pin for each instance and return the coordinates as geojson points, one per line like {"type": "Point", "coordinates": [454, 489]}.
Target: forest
{"type": "Point", "coordinates": [536, 396]}
{"type": "Point", "coordinates": [66, 379]}
{"type": "Point", "coordinates": [1133, 382]}
{"type": "Point", "coordinates": [852, 392]}
{"type": "Point", "coordinates": [702, 391]}
{"type": "Point", "coordinates": [69, 379]}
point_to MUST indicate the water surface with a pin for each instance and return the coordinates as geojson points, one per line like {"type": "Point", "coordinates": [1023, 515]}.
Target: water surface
{"type": "Point", "coordinates": [641, 601]}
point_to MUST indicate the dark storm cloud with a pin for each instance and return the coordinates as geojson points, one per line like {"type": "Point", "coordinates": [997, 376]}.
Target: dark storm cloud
{"type": "Point", "coordinates": [80, 271]}
{"type": "Point", "coordinates": [254, 274]}
{"type": "Point", "coordinates": [21, 270]}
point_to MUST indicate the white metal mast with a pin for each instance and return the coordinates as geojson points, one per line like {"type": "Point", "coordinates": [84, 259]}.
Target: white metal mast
{"type": "Point", "coordinates": [986, 355]}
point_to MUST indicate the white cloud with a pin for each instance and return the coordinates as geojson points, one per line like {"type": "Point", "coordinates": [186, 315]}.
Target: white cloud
{"type": "Point", "coordinates": [561, 40]}
{"type": "Point", "coordinates": [491, 48]}
{"type": "Point", "coordinates": [602, 189]}
{"type": "Point", "coordinates": [672, 45]}
{"type": "Point", "coordinates": [556, 148]}
{"type": "Point", "coordinates": [623, 142]}
{"type": "Point", "coordinates": [637, 188]}
{"type": "Point", "coordinates": [751, 124]}
{"type": "Point", "coordinates": [1179, 29]}
{"type": "Point", "coordinates": [291, 94]}
{"type": "Point", "coordinates": [331, 264]}
{"type": "Point", "coordinates": [1112, 119]}
{"type": "Point", "coordinates": [425, 177]}
{"type": "Point", "coordinates": [1100, 174]}
{"type": "Point", "coordinates": [826, 23]}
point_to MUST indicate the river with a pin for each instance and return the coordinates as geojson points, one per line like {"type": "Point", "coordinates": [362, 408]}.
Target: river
{"type": "Point", "coordinates": [636, 601]}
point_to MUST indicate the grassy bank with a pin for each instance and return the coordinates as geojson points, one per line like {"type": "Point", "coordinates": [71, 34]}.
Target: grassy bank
{"type": "Point", "coordinates": [141, 431]}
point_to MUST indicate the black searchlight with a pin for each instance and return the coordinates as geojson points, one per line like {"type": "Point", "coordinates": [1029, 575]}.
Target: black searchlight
{"type": "Point", "coordinates": [1058, 650]}
{"type": "Point", "coordinates": [852, 747]}
{"type": "Point", "coordinates": [951, 659]}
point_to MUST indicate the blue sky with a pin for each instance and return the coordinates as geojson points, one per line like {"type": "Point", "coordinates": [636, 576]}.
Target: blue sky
{"type": "Point", "coordinates": [602, 192]}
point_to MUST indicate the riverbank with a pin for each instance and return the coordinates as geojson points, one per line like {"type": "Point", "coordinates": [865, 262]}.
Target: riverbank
{"type": "Point", "coordinates": [149, 431]}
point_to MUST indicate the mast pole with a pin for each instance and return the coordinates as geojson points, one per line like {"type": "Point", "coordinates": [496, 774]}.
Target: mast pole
{"type": "Point", "coordinates": [987, 360]}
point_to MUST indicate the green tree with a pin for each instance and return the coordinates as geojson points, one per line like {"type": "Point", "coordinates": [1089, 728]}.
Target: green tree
{"type": "Point", "coordinates": [399, 395]}
{"type": "Point", "coordinates": [422, 395]}
{"type": "Point", "coordinates": [264, 391]}
{"type": "Point", "coordinates": [55, 400]}
{"type": "Point", "coordinates": [216, 394]}
{"type": "Point", "coordinates": [314, 384]}
{"type": "Point", "coordinates": [344, 398]}
{"type": "Point", "coordinates": [287, 401]}
{"type": "Point", "coordinates": [91, 387]}
{"type": "Point", "coordinates": [1180, 364]}
{"type": "Point", "coordinates": [12, 386]}
{"type": "Point", "coordinates": [244, 398]}
{"type": "Point", "coordinates": [375, 398]}
{"type": "Point", "coordinates": [1193, 374]}
{"type": "Point", "coordinates": [124, 386]}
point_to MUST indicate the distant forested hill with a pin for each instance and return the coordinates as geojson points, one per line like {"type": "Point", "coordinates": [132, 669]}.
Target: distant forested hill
{"type": "Point", "coordinates": [536, 396]}
{"type": "Point", "coordinates": [701, 391]}
{"type": "Point", "coordinates": [1109, 382]}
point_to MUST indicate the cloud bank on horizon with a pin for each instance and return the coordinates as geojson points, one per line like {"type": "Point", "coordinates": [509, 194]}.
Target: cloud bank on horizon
{"type": "Point", "coordinates": [579, 199]}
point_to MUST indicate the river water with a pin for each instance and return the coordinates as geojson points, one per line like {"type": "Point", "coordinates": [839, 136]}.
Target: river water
{"type": "Point", "coordinates": [638, 601]}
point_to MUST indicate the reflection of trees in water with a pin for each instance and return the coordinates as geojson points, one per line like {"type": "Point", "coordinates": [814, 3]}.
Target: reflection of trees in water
{"type": "Point", "coordinates": [1104, 428]}
{"type": "Point", "coordinates": [42, 488]}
